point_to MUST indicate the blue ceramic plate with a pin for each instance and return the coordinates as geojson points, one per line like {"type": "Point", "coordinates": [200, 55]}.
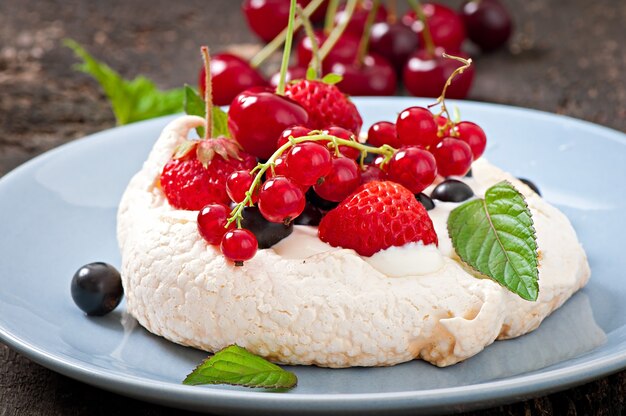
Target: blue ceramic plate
{"type": "Point", "coordinates": [58, 213]}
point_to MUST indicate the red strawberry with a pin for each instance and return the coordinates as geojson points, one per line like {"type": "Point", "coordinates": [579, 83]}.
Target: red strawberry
{"type": "Point", "coordinates": [377, 216]}
{"type": "Point", "coordinates": [326, 105]}
{"type": "Point", "coordinates": [196, 175]}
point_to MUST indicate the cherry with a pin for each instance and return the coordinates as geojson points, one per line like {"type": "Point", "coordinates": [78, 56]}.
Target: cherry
{"type": "Point", "coordinates": [238, 183]}
{"type": "Point", "coordinates": [344, 50]}
{"type": "Point", "coordinates": [395, 42]}
{"type": "Point", "coordinates": [416, 127]}
{"type": "Point", "coordinates": [446, 27]}
{"type": "Point", "coordinates": [212, 221]}
{"type": "Point", "coordinates": [347, 151]}
{"type": "Point", "coordinates": [356, 25]}
{"type": "Point", "coordinates": [372, 173]}
{"type": "Point", "coordinates": [307, 162]}
{"type": "Point", "coordinates": [239, 245]}
{"type": "Point", "coordinates": [343, 179]}
{"type": "Point", "coordinates": [281, 200]}
{"type": "Point", "coordinates": [454, 157]}
{"type": "Point", "coordinates": [473, 135]}
{"type": "Point", "coordinates": [376, 76]}
{"type": "Point", "coordinates": [383, 132]}
{"type": "Point", "coordinates": [412, 167]}
{"type": "Point", "coordinates": [293, 73]}
{"type": "Point", "coordinates": [267, 18]}
{"type": "Point", "coordinates": [425, 75]}
{"type": "Point", "coordinates": [230, 75]}
{"type": "Point", "coordinates": [294, 131]}
{"type": "Point", "coordinates": [258, 116]}
{"type": "Point", "coordinates": [487, 22]}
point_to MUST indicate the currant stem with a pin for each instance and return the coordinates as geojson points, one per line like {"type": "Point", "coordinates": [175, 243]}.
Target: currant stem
{"type": "Point", "coordinates": [280, 89]}
{"type": "Point", "coordinates": [428, 39]}
{"type": "Point", "coordinates": [208, 92]}
{"type": "Point", "coordinates": [334, 36]}
{"type": "Point", "coordinates": [308, 29]}
{"type": "Point", "coordinates": [329, 19]}
{"type": "Point", "coordinates": [276, 43]}
{"type": "Point", "coordinates": [261, 168]}
{"type": "Point", "coordinates": [365, 37]}
{"type": "Point", "coordinates": [442, 98]}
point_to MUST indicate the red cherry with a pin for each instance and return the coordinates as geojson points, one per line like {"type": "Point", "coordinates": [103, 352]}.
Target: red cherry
{"type": "Point", "coordinates": [372, 173]}
{"type": "Point", "coordinates": [212, 222]}
{"type": "Point", "coordinates": [319, 14]}
{"type": "Point", "coordinates": [446, 27]}
{"type": "Point", "coordinates": [426, 75]}
{"type": "Point", "coordinates": [347, 151]}
{"type": "Point", "coordinates": [417, 127]}
{"type": "Point", "coordinates": [383, 132]}
{"type": "Point", "coordinates": [258, 116]}
{"type": "Point", "coordinates": [359, 16]}
{"type": "Point", "coordinates": [344, 50]}
{"type": "Point", "coordinates": [307, 162]}
{"type": "Point", "coordinates": [395, 42]}
{"type": "Point", "coordinates": [454, 157]}
{"type": "Point", "coordinates": [239, 245]}
{"type": "Point", "coordinates": [473, 135]}
{"type": "Point", "coordinates": [487, 22]}
{"type": "Point", "coordinates": [230, 75]}
{"type": "Point", "coordinates": [375, 77]}
{"type": "Point", "coordinates": [295, 132]}
{"type": "Point", "coordinates": [238, 183]}
{"type": "Point", "coordinates": [293, 73]}
{"type": "Point", "coordinates": [281, 200]}
{"type": "Point", "coordinates": [267, 18]}
{"type": "Point", "coordinates": [343, 179]}
{"type": "Point", "coordinates": [413, 168]}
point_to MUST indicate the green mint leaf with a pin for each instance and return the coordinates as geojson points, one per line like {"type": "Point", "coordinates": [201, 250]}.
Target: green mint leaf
{"type": "Point", "coordinates": [496, 237]}
{"type": "Point", "coordinates": [195, 106]}
{"type": "Point", "coordinates": [332, 79]}
{"type": "Point", "coordinates": [236, 366]}
{"type": "Point", "coordinates": [311, 74]}
{"type": "Point", "coordinates": [131, 101]}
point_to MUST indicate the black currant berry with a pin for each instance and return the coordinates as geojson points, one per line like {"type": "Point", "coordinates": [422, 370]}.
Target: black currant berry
{"type": "Point", "coordinates": [310, 216]}
{"type": "Point", "coordinates": [267, 233]}
{"type": "Point", "coordinates": [531, 185]}
{"type": "Point", "coordinates": [425, 200]}
{"type": "Point", "coordinates": [452, 190]}
{"type": "Point", "coordinates": [317, 201]}
{"type": "Point", "coordinates": [97, 288]}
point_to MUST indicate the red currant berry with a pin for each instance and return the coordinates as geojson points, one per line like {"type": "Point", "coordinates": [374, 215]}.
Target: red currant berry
{"type": "Point", "coordinates": [343, 179]}
{"type": "Point", "coordinates": [238, 183]}
{"type": "Point", "coordinates": [280, 167]}
{"type": "Point", "coordinates": [239, 245]}
{"type": "Point", "coordinates": [417, 127]}
{"type": "Point", "coordinates": [454, 157]}
{"type": "Point", "coordinates": [472, 134]}
{"type": "Point", "coordinates": [382, 133]}
{"type": "Point", "coordinates": [443, 126]}
{"type": "Point", "coordinates": [413, 168]}
{"type": "Point", "coordinates": [295, 132]}
{"type": "Point", "coordinates": [372, 173]}
{"type": "Point", "coordinates": [212, 222]}
{"type": "Point", "coordinates": [347, 151]}
{"type": "Point", "coordinates": [281, 200]}
{"type": "Point", "coordinates": [307, 162]}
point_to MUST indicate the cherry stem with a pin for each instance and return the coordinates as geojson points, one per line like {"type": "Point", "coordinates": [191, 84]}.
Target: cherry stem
{"type": "Point", "coordinates": [392, 11]}
{"type": "Point", "coordinates": [329, 19]}
{"type": "Point", "coordinates": [208, 92]}
{"type": "Point", "coordinates": [428, 39]}
{"type": "Point", "coordinates": [367, 29]}
{"type": "Point", "coordinates": [280, 89]}
{"type": "Point", "coordinates": [308, 29]}
{"type": "Point", "coordinates": [333, 142]}
{"type": "Point", "coordinates": [334, 36]}
{"type": "Point", "coordinates": [276, 43]}
{"type": "Point", "coordinates": [441, 100]}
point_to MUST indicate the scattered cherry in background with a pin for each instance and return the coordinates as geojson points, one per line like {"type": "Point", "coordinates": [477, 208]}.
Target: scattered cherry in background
{"type": "Point", "coordinates": [395, 42]}
{"type": "Point", "coordinates": [446, 27]}
{"type": "Point", "coordinates": [359, 17]}
{"type": "Point", "coordinates": [487, 22]}
{"type": "Point", "coordinates": [231, 75]}
{"type": "Point", "coordinates": [376, 76]}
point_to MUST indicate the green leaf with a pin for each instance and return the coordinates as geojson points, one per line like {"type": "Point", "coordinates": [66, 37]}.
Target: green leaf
{"type": "Point", "coordinates": [220, 122]}
{"type": "Point", "coordinates": [496, 237]}
{"type": "Point", "coordinates": [332, 79]}
{"type": "Point", "coordinates": [236, 366]}
{"type": "Point", "coordinates": [195, 106]}
{"type": "Point", "coordinates": [311, 74]}
{"type": "Point", "coordinates": [131, 101]}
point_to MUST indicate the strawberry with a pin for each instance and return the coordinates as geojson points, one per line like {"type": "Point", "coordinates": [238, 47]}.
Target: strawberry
{"type": "Point", "coordinates": [326, 105]}
{"type": "Point", "coordinates": [196, 175]}
{"type": "Point", "coordinates": [378, 215]}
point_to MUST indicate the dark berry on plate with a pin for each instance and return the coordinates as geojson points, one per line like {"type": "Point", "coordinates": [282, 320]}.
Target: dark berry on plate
{"type": "Point", "coordinates": [469, 173]}
{"type": "Point", "coordinates": [317, 201]}
{"type": "Point", "coordinates": [531, 185]}
{"type": "Point", "coordinates": [452, 190]}
{"type": "Point", "coordinates": [425, 200]}
{"type": "Point", "coordinates": [310, 216]}
{"type": "Point", "coordinates": [97, 288]}
{"type": "Point", "coordinates": [267, 233]}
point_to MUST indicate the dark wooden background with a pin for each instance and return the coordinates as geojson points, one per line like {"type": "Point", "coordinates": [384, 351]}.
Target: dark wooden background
{"type": "Point", "coordinates": [566, 57]}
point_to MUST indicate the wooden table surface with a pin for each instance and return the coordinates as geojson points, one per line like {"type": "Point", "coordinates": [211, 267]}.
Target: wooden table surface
{"type": "Point", "coordinates": [566, 57]}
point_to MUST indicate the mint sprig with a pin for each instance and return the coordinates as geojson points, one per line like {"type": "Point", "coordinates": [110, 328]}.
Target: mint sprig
{"type": "Point", "coordinates": [237, 366]}
{"type": "Point", "coordinates": [195, 106]}
{"type": "Point", "coordinates": [496, 237]}
{"type": "Point", "coordinates": [134, 100]}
